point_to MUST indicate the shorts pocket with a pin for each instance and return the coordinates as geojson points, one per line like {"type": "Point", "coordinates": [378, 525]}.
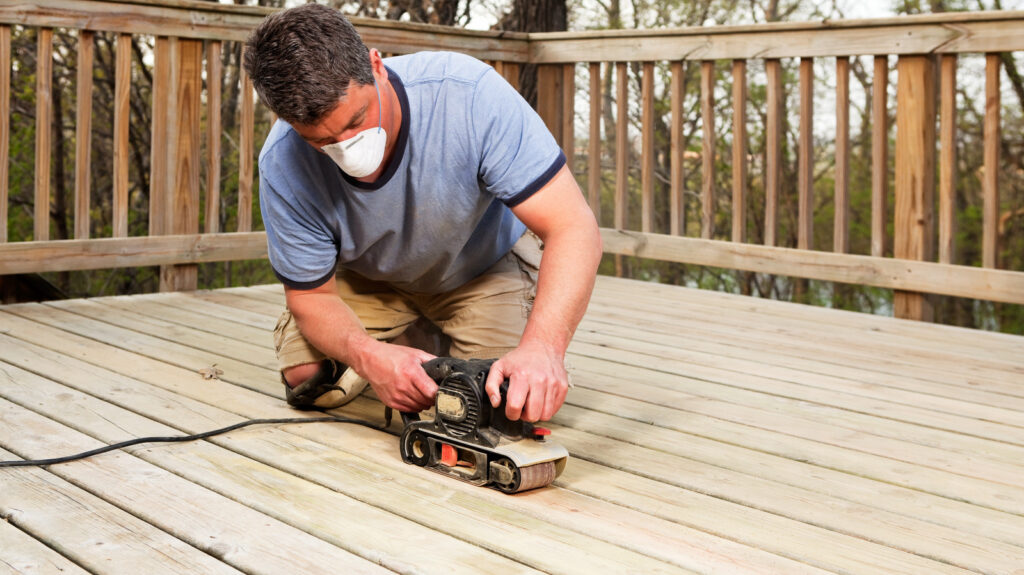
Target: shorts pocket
{"type": "Point", "coordinates": [529, 250]}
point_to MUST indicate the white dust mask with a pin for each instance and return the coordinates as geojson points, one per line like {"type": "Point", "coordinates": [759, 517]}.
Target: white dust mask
{"type": "Point", "coordinates": [361, 155]}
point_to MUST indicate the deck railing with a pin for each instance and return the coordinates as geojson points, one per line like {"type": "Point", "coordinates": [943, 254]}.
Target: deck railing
{"type": "Point", "coordinates": [188, 36]}
{"type": "Point", "coordinates": [925, 47]}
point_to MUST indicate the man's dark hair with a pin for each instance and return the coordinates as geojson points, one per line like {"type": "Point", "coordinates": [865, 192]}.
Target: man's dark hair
{"type": "Point", "coordinates": [302, 60]}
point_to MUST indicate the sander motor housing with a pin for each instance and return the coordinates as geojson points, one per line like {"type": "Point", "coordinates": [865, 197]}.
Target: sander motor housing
{"type": "Point", "coordinates": [475, 442]}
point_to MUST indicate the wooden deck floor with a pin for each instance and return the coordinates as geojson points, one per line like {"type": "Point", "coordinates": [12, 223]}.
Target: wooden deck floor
{"type": "Point", "coordinates": [708, 433]}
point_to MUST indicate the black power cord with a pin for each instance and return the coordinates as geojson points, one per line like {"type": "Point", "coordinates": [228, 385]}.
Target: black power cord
{"type": "Point", "coordinates": [182, 438]}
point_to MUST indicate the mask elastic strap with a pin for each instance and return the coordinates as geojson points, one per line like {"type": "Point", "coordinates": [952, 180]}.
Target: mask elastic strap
{"type": "Point", "coordinates": [380, 106]}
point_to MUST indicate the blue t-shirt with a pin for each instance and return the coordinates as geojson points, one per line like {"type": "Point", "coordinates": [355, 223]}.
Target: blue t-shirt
{"type": "Point", "coordinates": [469, 148]}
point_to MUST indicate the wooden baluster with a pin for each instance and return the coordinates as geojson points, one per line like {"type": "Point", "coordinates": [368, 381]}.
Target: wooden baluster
{"type": "Point", "coordinates": [707, 114]}
{"type": "Point", "coordinates": [5, 125]}
{"type": "Point", "coordinates": [990, 180]}
{"type": "Point", "coordinates": [246, 147]}
{"type": "Point", "coordinates": [44, 121]}
{"type": "Point", "coordinates": [621, 155]}
{"type": "Point", "coordinates": [647, 148]}
{"type": "Point", "coordinates": [214, 77]}
{"type": "Point", "coordinates": [841, 220]}
{"type": "Point", "coordinates": [122, 122]}
{"type": "Point", "coordinates": [569, 113]}
{"type": "Point", "coordinates": [947, 162]}
{"type": "Point", "coordinates": [677, 202]}
{"type": "Point", "coordinates": [739, 151]}
{"type": "Point", "coordinates": [594, 144]}
{"type": "Point", "coordinates": [879, 156]}
{"type": "Point", "coordinates": [184, 142]}
{"type": "Point", "coordinates": [83, 134]}
{"type": "Point", "coordinates": [915, 174]}
{"type": "Point", "coordinates": [510, 71]}
{"type": "Point", "coordinates": [556, 89]}
{"type": "Point", "coordinates": [621, 145]}
{"type": "Point", "coordinates": [160, 155]}
{"type": "Point", "coordinates": [549, 98]}
{"type": "Point", "coordinates": [805, 177]}
{"type": "Point", "coordinates": [773, 151]}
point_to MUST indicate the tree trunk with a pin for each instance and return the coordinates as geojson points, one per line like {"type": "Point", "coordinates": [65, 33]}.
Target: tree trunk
{"type": "Point", "coordinates": [534, 16]}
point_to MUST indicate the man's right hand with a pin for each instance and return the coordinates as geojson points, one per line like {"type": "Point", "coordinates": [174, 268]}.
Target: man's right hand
{"type": "Point", "coordinates": [396, 374]}
{"type": "Point", "coordinates": [395, 371]}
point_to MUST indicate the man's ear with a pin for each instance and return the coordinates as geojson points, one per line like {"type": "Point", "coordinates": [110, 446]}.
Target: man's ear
{"type": "Point", "coordinates": [377, 63]}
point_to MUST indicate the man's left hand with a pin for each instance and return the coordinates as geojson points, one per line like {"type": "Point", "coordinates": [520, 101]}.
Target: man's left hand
{"type": "Point", "coordinates": [538, 382]}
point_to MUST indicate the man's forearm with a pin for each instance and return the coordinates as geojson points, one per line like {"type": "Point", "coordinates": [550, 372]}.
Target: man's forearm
{"type": "Point", "coordinates": [330, 326]}
{"type": "Point", "coordinates": [394, 371]}
{"type": "Point", "coordinates": [566, 280]}
{"type": "Point", "coordinates": [536, 368]}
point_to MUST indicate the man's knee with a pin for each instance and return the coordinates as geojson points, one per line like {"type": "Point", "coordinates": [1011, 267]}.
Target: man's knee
{"type": "Point", "coordinates": [298, 374]}
{"type": "Point", "coordinates": [324, 385]}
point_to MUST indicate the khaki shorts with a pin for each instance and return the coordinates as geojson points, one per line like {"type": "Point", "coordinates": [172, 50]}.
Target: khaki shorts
{"type": "Point", "coordinates": [482, 319]}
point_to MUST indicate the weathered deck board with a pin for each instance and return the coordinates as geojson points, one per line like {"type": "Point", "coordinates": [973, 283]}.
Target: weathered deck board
{"type": "Point", "coordinates": [277, 493]}
{"type": "Point", "coordinates": [807, 340]}
{"type": "Point", "coordinates": [179, 507]}
{"type": "Point", "coordinates": [565, 559]}
{"type": "Point", "coordinates": [23, 553]}
{"type": "Point", "coordinates": [759, 307]}
{"type": "Point", "coordinates": [842, 349]}
{"type": "Point", "coordinates": [708, 432]}
{"type": "Point", "coordinates": [89, 531]}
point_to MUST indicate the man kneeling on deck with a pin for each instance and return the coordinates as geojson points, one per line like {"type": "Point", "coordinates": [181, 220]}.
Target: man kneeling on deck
{"type": "Point", "coordinates": [410, 191]}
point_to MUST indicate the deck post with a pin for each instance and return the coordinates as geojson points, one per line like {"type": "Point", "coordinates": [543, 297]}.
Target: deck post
{"type": "Point", "coordinates": [915, 175]}
{"type": "Point", "coordinates": [549, 98]}
{"type": "Point", "coordinates": [183, 168]}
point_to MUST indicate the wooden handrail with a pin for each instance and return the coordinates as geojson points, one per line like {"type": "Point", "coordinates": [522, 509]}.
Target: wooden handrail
{"type": "Point", "coordinates": [898, 274]}
{"type": "Point", "coordinates": [947, 33]}
{"type": "Point", "coordinates": [105, 253]}
{"type": "Point", "coordinates": [944, 279]}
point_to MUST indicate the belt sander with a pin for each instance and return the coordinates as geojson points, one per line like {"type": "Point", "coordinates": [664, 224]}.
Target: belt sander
{"type": "Point", "coordinates": [474, 442]}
